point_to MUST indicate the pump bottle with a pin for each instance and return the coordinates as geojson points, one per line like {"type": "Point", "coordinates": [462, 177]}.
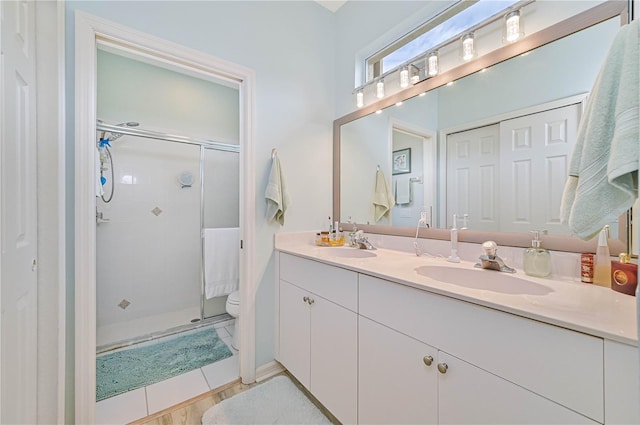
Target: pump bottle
{"type": "Point", "coordinates": [537, 260]}
{"type": "Point", "coordinates": [602, 262]}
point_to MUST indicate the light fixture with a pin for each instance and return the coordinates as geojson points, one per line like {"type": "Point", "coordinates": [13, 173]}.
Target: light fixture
{"type": "Point", "coordinates": [404, 77]}
{"type": "Point", "coordinates": [467, 47]}
{"type": "Point", "coordinates": [432, 64]}
{"type": "Point", "coordinates": [360, 98]}
{"type": "Point", "coordinates": [379, 111]}
{"type": "Point", "coordinates": [398, 103]}
{"type": "Point", "coordinates": [414, 74]}
{"type": "Point", "coordinates": [513, 28]}
{"type": "Point", "coordinates": [380, 89]}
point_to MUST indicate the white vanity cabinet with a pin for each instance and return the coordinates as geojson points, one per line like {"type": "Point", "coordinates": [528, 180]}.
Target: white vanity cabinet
{"type": "Point", "coordinates": [318, 328]}
{"type": "Point", "coordinates": [373, 351]}
{"type": "Point", "coordinates": [501, 368]}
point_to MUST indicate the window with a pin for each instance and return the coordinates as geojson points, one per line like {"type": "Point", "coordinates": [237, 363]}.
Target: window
{"type": "Point", "coordinates": [442, 28]}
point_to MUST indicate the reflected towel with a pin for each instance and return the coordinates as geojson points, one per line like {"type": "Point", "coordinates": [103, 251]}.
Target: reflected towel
{"type": "Point", "coordinates": [221, 261]}
{"type": "Point", "coordinates": [276, 194]}
{"type": "Point", "coordinates": [98, 167]}
{"type": "Point", "coordinates": [403, 190]}
{"type": "Point", "coordinates": [382, 197]}
{"type": "Point", "coordinates": [603, 174]}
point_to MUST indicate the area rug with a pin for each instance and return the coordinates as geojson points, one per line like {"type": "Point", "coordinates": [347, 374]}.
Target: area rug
{"type": "Point", "coordinates": [127, 369]}
{"type": "Point", "coordinates": [277, 401]}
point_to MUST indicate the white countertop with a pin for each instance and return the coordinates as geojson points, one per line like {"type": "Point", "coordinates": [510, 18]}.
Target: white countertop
{"type": "Point", "coordinates": [573, 305]}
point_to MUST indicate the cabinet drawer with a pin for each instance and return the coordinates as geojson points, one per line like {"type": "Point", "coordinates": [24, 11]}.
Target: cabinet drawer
{"type": "Point", "coordinates": [332, 283]}
{"type": "Point", "coordinates": [562, 365]}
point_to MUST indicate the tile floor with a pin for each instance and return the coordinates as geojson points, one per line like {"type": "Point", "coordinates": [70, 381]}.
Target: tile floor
{"type": "Point", "coordinates": [136, 404]}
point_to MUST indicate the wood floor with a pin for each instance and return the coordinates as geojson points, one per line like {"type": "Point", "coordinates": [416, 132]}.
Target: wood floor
{"type": "Point", "coordinates": [190, 412]}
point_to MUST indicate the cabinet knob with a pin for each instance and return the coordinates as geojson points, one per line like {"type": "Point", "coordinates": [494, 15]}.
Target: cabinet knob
{"type": "Point", "coordinates": [305, 299]}
{"type": "Point", "coordinates": [442, 367]}
{"type": "Point", "coordinates": [310, 301]}
{"type": "Point", "coordinates": [427, 360]}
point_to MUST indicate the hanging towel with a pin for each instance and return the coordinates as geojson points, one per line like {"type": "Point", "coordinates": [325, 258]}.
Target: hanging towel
{"type": "Point", "coordinates": [382, 197]}
{"type": "Point", "coordinates": [603, 174]}
{"type": "Point", "coordinates": [403, 190]}
{"type": "Point", "coordinates": [276, 194]}
{"type": "Point", "coordinates": [221, 261]}
{"type": "Point", "coordinates": [98, 166]}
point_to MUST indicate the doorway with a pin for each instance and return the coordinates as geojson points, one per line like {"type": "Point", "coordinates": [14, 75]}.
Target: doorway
{"type": "Point", "coordinates": [92, 31]}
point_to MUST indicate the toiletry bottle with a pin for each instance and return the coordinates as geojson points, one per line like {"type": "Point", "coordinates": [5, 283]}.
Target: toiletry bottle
{"type": "Point", "coordinates": [602, 263]}
{"type": "Point", "coordinates": [624, 275]}
{"type": "Point", "coordinates": [537, 260]}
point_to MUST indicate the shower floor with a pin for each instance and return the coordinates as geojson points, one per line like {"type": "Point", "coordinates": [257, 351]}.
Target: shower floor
{"type": "Point", "coordinates": [146, 327]}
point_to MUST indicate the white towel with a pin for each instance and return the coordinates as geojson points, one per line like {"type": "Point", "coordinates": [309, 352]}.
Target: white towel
{"type": "Point", "coordinates": [382, 197]}
{"type": "Point", "coordinates": [276, 193]}
{"type": "Point", "coordinates": [603, 174]}
{"type": "Point", "coordinates": [403, 190]}
{"type": "Point", "coordinates": [98, 165]}
{"type": "Point", "coordinates": [221, 261]}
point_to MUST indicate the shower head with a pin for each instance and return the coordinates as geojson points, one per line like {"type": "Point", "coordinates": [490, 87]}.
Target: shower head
{"type": "Point", "coordinates": [115, 136]}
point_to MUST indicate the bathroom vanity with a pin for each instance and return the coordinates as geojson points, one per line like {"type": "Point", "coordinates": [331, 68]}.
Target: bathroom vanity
{"type": "Point", "coordinates": [386, 337]}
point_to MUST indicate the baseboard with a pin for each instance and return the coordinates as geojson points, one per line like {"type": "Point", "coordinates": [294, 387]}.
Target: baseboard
{"type": "Point", "coordinates": [268, 370]}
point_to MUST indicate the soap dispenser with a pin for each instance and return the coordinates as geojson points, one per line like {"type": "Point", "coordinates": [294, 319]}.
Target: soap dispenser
{"type": "Point", "coordinates": [537, 260]}
{"type": "Point", "coordinates": [602, 262]}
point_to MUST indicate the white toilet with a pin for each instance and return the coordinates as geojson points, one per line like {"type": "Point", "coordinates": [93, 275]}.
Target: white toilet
{"type": "Point", "coordinates": [233, 308]}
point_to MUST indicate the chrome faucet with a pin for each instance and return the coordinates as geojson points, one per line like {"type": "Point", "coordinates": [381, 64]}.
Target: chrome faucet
{"type": "Point", "coordinates": [362, 242]}
{"type": "Point", "coordinates": [491, 261]}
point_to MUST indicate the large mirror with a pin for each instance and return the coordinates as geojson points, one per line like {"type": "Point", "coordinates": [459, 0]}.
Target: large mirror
{"type": "Point", "coordinates": [460, 148]}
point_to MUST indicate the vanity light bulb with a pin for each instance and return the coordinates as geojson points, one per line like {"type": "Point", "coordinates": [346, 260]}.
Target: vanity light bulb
{"type": "Point", "coordinates": [380, 89]}
{"type": "Point", "coordinates": [468, 47]}
{"type": "Point", "coordinates": [360, 99]}
{"type": "Point", "coordinates": [513, 29]}
{"type": "Point", "coordinates": [433, 64]}
{"type": "Point", "coordinates": [404, 77]}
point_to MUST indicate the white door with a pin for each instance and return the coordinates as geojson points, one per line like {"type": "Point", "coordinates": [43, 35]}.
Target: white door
{"type": "Point", "coordinates": [295, 325]}
{"type": "Point", "coordinates": [473, 159]}
{"type": "Point", "coordinates": [18, 320]}
{"type": "Point", "coordinates": [398, 379]}
{"type": "Point", "coordinates": [470, 395]}
{"type": "Point", "coordinates": [334, 358]}
{"type": "Point", "coordinates": [542, 142]}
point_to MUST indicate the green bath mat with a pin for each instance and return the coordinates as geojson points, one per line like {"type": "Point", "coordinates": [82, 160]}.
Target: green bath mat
{"type": "Point", "coordinates": [136, 367]}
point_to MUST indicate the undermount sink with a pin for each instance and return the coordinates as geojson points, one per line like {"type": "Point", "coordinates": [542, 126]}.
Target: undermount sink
{"type": "Point", "coordinates": [488, 280]}
{"type": "Point", "coordinates": [347, 252]}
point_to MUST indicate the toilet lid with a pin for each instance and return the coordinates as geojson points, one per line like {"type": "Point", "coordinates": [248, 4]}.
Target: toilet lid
{"type": "Point", "coordinates": [234, 298]}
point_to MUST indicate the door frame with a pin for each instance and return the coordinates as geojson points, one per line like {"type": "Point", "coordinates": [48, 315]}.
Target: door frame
{"type": "Point", "coordinates": [88, 30]}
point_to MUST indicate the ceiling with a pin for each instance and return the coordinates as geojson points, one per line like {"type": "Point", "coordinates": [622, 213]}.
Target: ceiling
{"type": "Point", "coordinates": [332, 5]}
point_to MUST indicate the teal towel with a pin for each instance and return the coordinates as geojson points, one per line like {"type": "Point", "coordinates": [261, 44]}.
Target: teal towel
{"type": "Point", "coordinates": [276, 194]}
{"type": "Point", "coordinates": [603, 174]}
{"type": "Point", "coordinates": [382, 197]}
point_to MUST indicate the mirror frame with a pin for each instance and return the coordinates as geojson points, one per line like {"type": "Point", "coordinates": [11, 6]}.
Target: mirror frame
{"type": "Point", "coordinates": [597, 14]}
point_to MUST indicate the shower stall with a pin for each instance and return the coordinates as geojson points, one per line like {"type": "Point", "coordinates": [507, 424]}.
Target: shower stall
{"type": "Point", "coordinates": [160, 193]}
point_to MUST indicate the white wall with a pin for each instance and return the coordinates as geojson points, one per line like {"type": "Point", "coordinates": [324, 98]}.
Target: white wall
{"type": "Point", "coordinates": [290, 45]}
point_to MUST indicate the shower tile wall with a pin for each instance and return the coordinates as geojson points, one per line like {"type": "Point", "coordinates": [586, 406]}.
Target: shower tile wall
{"type": "Point", "coordinates": [149, 250]}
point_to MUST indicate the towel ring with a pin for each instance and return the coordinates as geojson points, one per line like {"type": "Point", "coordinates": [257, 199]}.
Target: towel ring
{"type": "Point", "coordinates": [274, 153]}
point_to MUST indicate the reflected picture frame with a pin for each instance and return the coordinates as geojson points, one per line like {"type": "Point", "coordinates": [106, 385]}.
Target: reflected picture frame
{"type": "Point", "coordinates": [401, 161]}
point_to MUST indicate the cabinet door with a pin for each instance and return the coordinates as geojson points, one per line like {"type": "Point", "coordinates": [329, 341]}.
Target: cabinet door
{"type": "Point", "coordinates": [622, 391]}
{"type": "Point", "coordinates": [294, 332]}
{"type": "Point", "coordinates": [334, 358]}
{"type": "Point", "coordinates": [470, 395]}
{"type": "Point", "coordinates": [395, 385]}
